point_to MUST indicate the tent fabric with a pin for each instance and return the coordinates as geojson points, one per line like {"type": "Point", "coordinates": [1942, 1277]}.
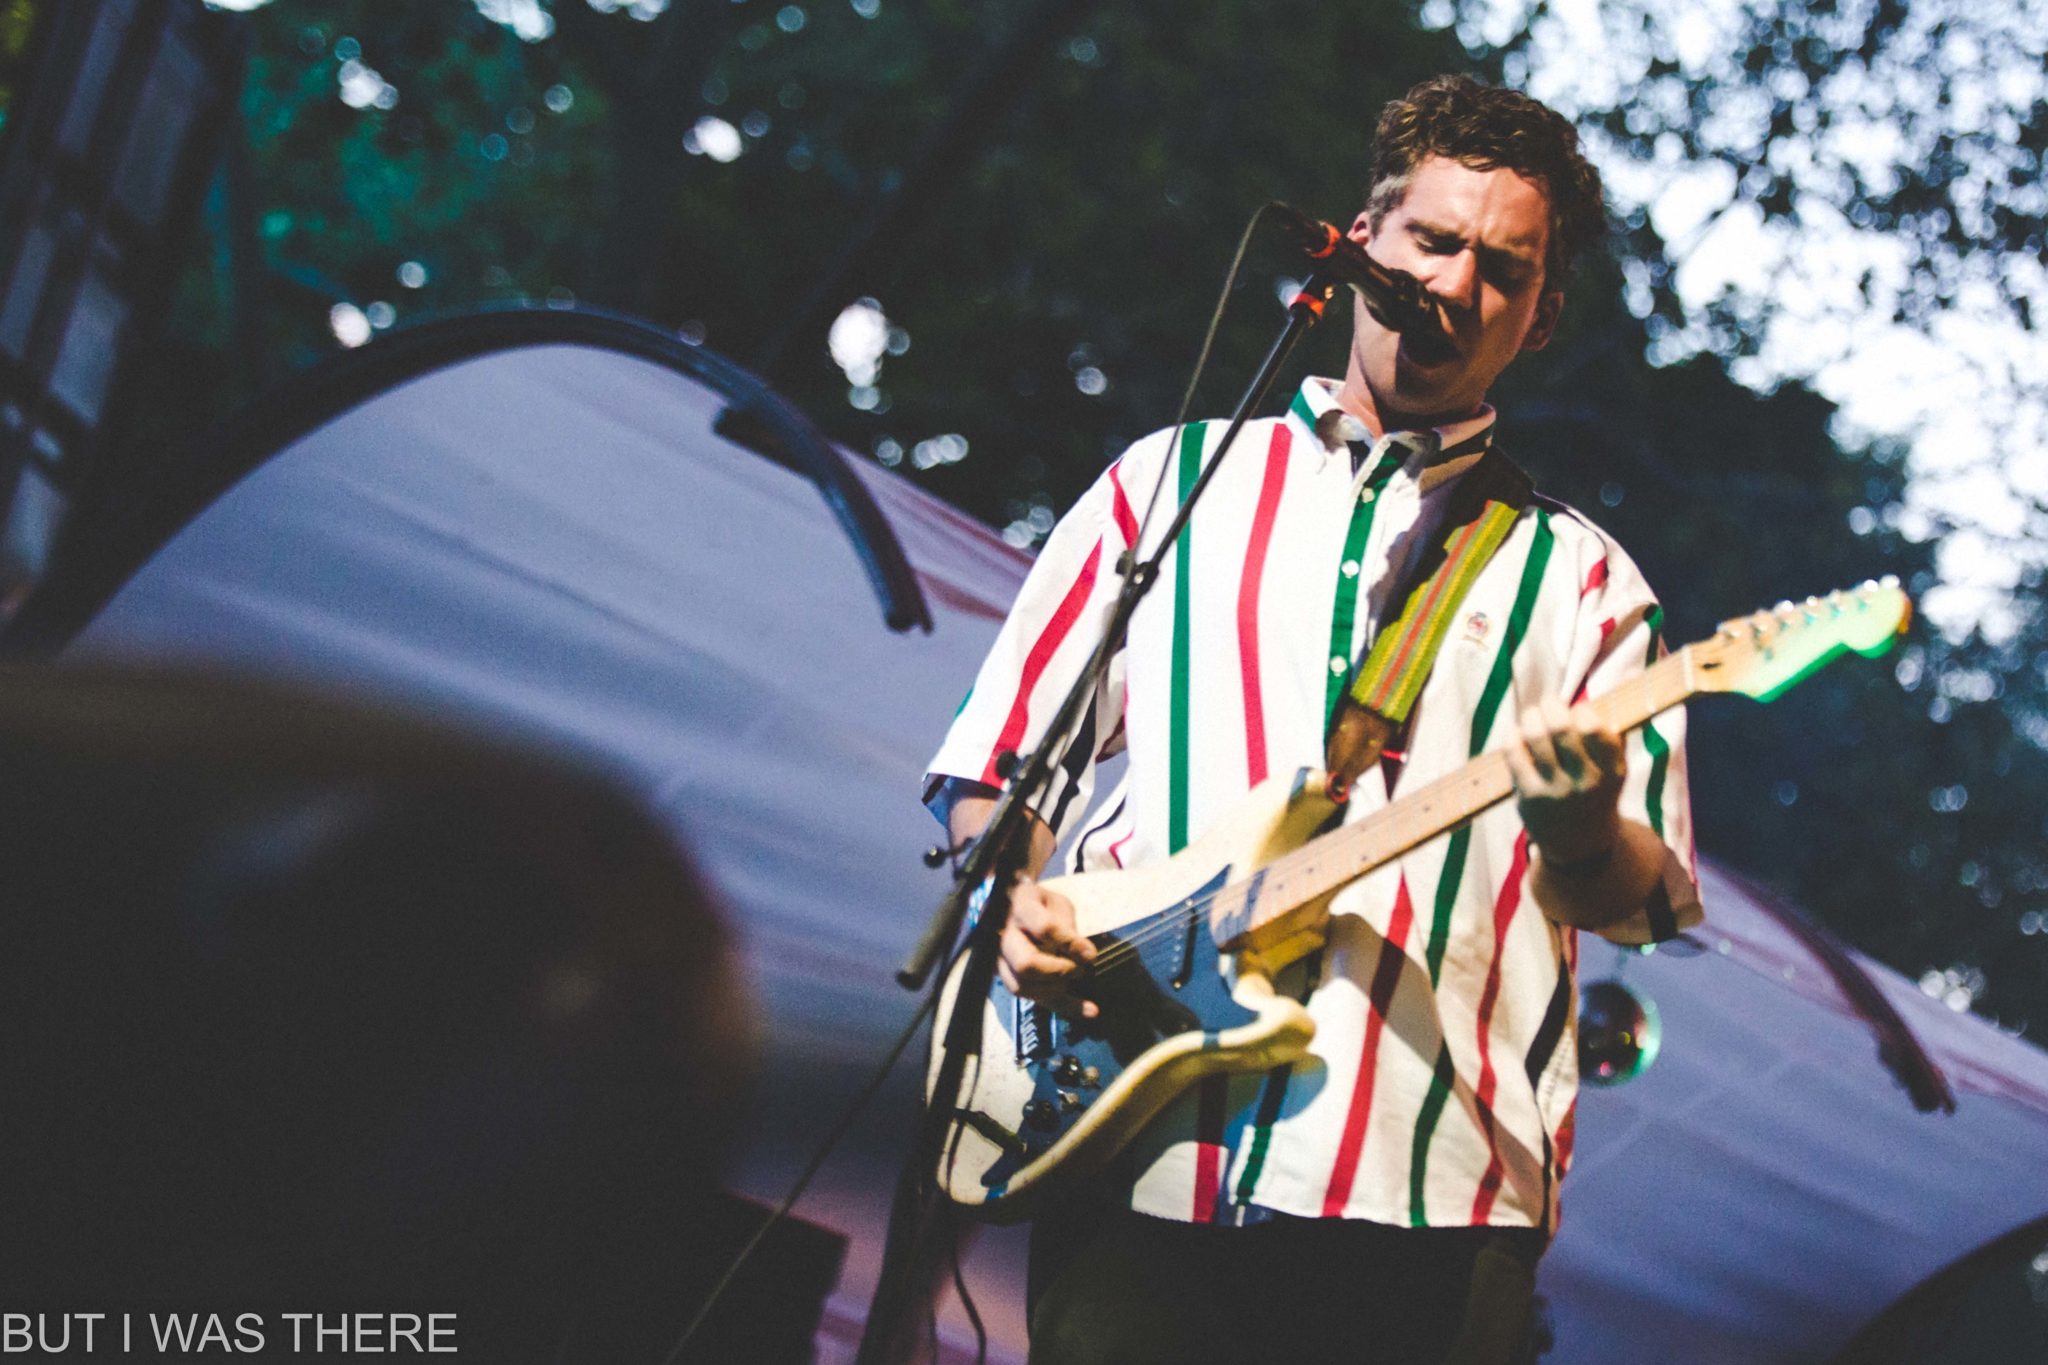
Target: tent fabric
{"type": "Point", "coordinates": [551, 541]}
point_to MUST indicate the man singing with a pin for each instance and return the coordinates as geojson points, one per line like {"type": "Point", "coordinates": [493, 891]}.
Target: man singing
{"type": "Point", "coordinates": [1387, 1198]}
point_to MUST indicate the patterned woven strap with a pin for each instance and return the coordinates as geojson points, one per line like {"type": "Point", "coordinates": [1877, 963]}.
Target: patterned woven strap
{"type": "Point", "coordinates": [1388, 680]}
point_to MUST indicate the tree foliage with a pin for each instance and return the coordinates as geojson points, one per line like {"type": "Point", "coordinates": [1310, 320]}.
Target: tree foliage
{"type": "Point", "coordinates": [1048, 304]}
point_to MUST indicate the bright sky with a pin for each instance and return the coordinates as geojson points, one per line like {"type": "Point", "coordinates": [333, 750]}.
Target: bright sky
{"type": "Point", "coordinates": [1964, 386]}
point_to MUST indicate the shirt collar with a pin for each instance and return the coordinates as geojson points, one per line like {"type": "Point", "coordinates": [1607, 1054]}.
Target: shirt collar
{"type": "Point", "coordinates": [1315, 407]}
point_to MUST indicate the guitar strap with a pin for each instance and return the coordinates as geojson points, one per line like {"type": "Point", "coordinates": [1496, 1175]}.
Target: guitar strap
{"type": "Point", "coordinates": [1387, 680]}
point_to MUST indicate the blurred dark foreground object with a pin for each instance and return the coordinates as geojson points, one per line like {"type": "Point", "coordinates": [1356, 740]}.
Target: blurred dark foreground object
{"type": "Point", "coordinates": [308, 1006]}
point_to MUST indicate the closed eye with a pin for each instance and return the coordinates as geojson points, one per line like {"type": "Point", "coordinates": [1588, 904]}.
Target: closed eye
{"type": "Point", "coordinates": [1511, 272]}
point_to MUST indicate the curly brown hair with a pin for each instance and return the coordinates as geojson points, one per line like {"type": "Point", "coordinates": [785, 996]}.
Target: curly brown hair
{"type": "Point", "coordinates": [1484, 127]}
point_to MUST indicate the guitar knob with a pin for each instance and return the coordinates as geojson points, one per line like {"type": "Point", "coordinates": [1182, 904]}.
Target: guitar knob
{"type": "Point", "coordinates": [1041, 1114]}
{"type": "Point", "coordinates": [1069, 1071]}
{"type": "Point", "coordinates": [1091, 1076]}
{"type": "Point", "coordinates": [1069, 1101]}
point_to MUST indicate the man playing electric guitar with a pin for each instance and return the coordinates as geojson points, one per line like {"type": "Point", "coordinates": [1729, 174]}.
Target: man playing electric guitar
{"type": "Point", "coordinates": [1371, 590]}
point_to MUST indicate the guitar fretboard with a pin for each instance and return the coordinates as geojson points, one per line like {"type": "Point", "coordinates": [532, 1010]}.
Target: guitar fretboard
{"type": "Point", "coordinates": [1331, 861]}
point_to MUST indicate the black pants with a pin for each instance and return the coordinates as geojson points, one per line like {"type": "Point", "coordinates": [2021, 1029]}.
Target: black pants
{"type": "Point", "coordinates": [1119, 1288]}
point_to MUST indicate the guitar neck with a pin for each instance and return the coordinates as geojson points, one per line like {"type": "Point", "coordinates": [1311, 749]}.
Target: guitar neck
{"type": "Point", "coordinates": [1327, 863]}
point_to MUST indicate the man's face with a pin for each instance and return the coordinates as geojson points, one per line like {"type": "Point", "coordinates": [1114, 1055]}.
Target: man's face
{"type": "Point", "coordinates": [1476, 239]}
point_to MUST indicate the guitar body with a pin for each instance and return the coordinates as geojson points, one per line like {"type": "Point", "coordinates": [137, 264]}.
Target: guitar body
{"type": "Point", "coordinates": [1051, 1098]}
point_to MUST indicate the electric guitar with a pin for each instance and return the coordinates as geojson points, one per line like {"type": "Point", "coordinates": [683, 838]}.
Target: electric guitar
{"type": "Point", "coordinates": [1186, 949]}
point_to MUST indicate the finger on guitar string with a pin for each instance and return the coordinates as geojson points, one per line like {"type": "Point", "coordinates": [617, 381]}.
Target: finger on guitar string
{"type": "Point", "coordinates": [1539, 743]}
{"type": "Point", "coordinates": [1044, 956]}
{"type": "Point", "coordinates": [1606, 752]}
{"type": "Point", "coordinates": [1590, 755]}
{"type": "Point", "coordinates": [1522, 767]}
{"type": "Point", "coordinates": [1567, 740]}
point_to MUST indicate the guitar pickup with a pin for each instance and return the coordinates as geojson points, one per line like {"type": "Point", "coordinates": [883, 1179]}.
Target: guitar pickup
{"type": "Point", "coordinates": [1031, 1025]}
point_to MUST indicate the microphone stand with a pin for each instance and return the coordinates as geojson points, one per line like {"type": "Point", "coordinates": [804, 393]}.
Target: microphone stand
{"type": "Point", "coordinates": [994, 859]}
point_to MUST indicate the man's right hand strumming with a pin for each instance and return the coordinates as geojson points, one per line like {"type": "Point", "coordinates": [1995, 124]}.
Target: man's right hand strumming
{"type": "Point", "coordinates": [1043, 952]}
{"type": "Point", "coordinates": [1044, 955]}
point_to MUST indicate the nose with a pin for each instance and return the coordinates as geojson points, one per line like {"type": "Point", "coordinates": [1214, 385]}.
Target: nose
{"type": "Point", "coordinates": [1454, 278]}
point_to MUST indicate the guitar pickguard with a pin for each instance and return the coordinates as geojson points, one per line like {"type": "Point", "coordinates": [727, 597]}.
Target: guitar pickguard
{"type": "Point", "coordinates": [1159, 976]}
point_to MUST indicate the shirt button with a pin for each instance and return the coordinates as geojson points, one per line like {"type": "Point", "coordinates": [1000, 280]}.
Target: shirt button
{"type": "Point", "coordinates": [1337, 663]}
{"type": "Point", "coordinates": [1367, 495]}
{"type": "Point", "coordinates": [1351, 568]}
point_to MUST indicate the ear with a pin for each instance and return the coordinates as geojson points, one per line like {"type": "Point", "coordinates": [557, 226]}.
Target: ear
{"type": "Point", "coordinates": [1548, 306]}
{"type": "Point", "coordinates": [1361, 229]}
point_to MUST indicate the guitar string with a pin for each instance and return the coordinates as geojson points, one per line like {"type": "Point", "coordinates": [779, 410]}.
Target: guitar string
{"type": "Point", "coordinates": [1175, 922]}
{"type": "Point", "coordinates": [1297, 862]}
{"type": "Point", "coordinates": [1642, 691]}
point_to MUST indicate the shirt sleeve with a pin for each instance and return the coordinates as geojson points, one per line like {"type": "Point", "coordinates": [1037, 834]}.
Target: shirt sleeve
{"type": "Point", "coordinates": [1619, 635]}
{"type": "Point", "coordinates": [1044, 645]}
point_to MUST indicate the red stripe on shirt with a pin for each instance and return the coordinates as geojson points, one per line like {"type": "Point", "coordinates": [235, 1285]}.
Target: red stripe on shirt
{"type": "Point", "coordinates": [1248, 606]}
{"type": "Point", "coordinates": [1120, 508]}
{"type": "Point", "coordinates": [1606, 629]}
{"type": "Point", "coordinates": [1042, 650]}
{"type": "Point", "coordinates": [1597, 578]}
{"type": "Point", "coordinates": [1504, 907]}
{"type": "Point", "coordinates": [1210, 1096]}
{"type": "Point", "coordinates": [1386, 976]}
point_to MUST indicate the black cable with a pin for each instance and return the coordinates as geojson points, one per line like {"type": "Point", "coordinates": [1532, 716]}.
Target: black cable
{"type": "Point", "coordinates": [817, 1162]}
{"type": "Point", "coordinates": [1187, 398]}
{"type": "Point", "coordinates": [930, 1002]}
{"type": "Point", "coordinates": [1180, 421]}
{"type": "Point", "coordinates": [967, 1300]}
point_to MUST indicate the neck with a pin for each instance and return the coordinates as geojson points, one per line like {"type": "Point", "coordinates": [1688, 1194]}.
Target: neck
{"type": "Point", "coordinates": [1356, 397]}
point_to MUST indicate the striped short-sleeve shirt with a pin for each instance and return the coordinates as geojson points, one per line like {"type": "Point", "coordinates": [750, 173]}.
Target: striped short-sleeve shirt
{"type": "Point", "coordinates": [1441, 1084]}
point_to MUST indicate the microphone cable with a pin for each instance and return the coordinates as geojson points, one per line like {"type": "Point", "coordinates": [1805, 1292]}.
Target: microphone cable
{"type": "Point", "coordinates": [873, 1086]}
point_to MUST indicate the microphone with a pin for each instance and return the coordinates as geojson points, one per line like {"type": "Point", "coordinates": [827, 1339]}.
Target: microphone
{"type": "Point", "coordinates": [1395, 297]}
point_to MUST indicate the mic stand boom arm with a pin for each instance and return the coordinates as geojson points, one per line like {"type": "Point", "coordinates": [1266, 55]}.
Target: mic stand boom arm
{"type": "Point", "coordinates": [1002, 849]}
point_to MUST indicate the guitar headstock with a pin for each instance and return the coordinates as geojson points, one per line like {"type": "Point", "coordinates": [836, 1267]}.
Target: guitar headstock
{"type": "Point", "coordinates": [1767, 652]}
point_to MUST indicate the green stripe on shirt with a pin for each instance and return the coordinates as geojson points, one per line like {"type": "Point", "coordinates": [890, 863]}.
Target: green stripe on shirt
{"type": "Point", "coordinates": [1444, 1073]}
{"type": "Point", "coordinates": [1659, 749]}
{"type": "Point", "coordinates": [1483, 715]}
{"type": "Point", "coordinates": [1191, 441]}
{"type": "Point", "coordinates": [1351, 586]}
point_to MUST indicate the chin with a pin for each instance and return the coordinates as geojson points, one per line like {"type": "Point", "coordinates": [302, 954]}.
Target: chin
{"type": "Point", "coordinates": [1430, 398]}
{"type": "Point", "coordinates": [1407, 388]}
